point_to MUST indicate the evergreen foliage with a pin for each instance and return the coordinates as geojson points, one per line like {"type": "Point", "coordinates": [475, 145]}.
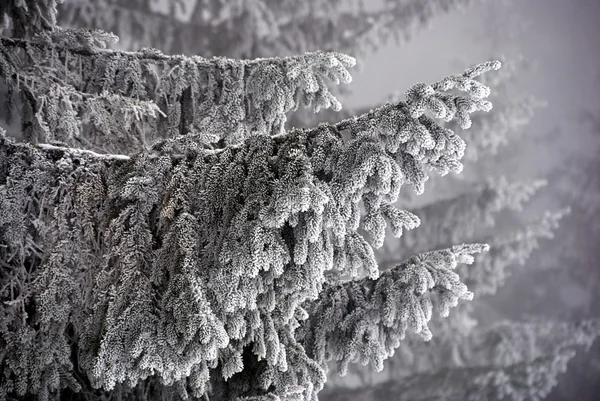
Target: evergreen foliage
{"type": "Point", "coordinates": [119, 95]}
{"type": "Point", "coordinates": [193, 264]}
{"type": "Point", "coordinates": [451, 220]}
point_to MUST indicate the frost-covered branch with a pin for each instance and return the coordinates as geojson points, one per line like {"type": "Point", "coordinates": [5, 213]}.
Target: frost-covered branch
{"type": "Point", "coordinates": [484, 278]}
{"type": "Point", "coordinates": [532, 380]}
{"type": "Point", "coordinates": [393, 123]}
{"type": "Point", "coordinates": [223, 99]}
{"type": "Point", "coordinates": [505, 251]}
{"type": "Point", "coordinates": [93, 44]}
{"type": "Point", "coordinates": [262, 28]}
{"type": "Point", "coordinates": [366, 320]}
{"type": "Point", "coordinates": [76, 152]}
{"type": "Point", "coordinates": [494, 131]}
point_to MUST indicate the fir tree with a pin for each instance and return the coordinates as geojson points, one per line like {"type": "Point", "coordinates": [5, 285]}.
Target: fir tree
{"type": "Point", "coordinates": [188, 258]}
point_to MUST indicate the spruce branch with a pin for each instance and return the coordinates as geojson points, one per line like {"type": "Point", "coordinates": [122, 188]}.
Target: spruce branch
{"type": "Point", "coordinates": [157, 55]}
{"type": "Point", "coordinates": [496, 130]}
{"type": "Point", "coordinates": [231, 97]}
{"type": "Point", "coordinates": [366, 319]}
{"type": "Point", "coordinates": [420, 97]}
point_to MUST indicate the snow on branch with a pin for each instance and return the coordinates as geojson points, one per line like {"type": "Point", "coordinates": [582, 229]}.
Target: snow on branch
{"type": "Point", "coordinates": [365, 320]}
{"type": "Point", "coordinates": [403, 123]}
{"type": "Point", "coordinates": [510, 360]}
{"type": "Point", "coordinates": [230, 99]}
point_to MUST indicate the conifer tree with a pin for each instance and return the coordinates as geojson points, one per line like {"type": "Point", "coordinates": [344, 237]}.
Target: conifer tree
{"type": "Point", "coordinates": [493, 133]}
{"type": "Point", "coordinates": [163, 236]}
